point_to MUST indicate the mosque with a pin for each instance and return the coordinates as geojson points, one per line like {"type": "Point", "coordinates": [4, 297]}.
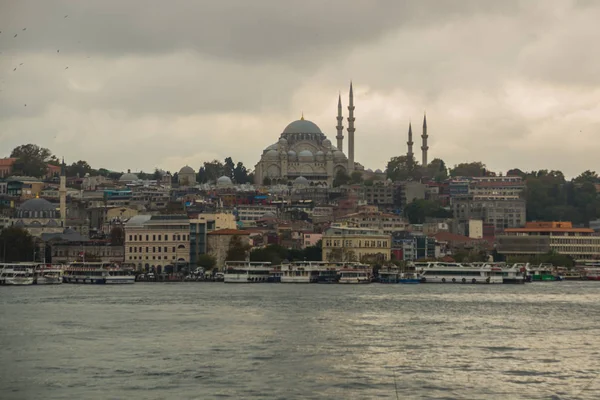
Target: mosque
{"type": "Point", "coordinates": [303, 155]}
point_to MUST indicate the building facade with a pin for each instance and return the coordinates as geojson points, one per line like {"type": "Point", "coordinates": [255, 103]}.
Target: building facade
{"type": "Point", "coordinates": [541, 237]}
{"type": "Point", "coordinates": [155, 242]}
{"type": "Point", "coordinates": [346, 244]}
{"type": "Point", "coordinates": [502, 213]}
{"type": "Point", "coordinates": [218, 244]}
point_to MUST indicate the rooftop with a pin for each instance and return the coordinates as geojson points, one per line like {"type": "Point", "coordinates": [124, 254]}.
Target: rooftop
{"type": "Point", "coordinates": [229, 232]}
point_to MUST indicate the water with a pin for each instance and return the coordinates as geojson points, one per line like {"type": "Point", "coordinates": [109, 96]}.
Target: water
{"type": "Point", "coordinates": [276, 341]}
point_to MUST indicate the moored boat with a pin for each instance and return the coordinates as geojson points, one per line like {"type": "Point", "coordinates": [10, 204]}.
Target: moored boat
{"type": "Point", "coordinates": [355, 274]}
{"type": "Point", "coordinates": [440, 272]}
{"type": "Point", "coordinates": [541, 273]}
{"type": "Point", "coordinates": [48, 275]}
{"type": "Point", "coordinates": [388, 275]}
{"type": "Point", "coordinates": [16, 274]}
{"type": "Point", "coordinates": [514, 273]}
{"type": "Point", "coordinates": [97, 273]}
{"type": "Point", "coordinates": [409, 278]}
{"type": "Point", "coordinates": [247, 272]}
{"type": "Point", "coordinates": [300, 272]}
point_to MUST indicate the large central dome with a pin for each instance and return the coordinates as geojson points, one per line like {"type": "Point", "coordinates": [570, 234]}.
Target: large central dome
{"type": "Point", "coordinates": [302, 126]}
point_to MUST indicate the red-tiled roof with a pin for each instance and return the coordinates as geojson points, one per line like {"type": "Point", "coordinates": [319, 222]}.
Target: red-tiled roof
{"type": "Point", "coordinates": [549, 230]}
{"type": "Point", "coordinates": [229, 232]}
{"type": "Point", "coordinates": [452, 237]}
{"type": "Point", "coordinates": [7, 162]}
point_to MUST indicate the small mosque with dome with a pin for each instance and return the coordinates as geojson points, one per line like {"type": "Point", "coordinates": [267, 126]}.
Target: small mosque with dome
{"type": "Point", "coordinates": [304, 155]}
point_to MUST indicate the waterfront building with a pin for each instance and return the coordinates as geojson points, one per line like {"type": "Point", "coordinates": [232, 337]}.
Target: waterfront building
{"type": "Point", "coordinates": [538, 238]}
{"type": "Point", "coordinates": [218, 243]}
{"type": "Point", "coordinates": [69, 246]}
{"type": "Point", "coordinates": [342, 243]}
{"type": "Point", "coordinates": [153, 242]}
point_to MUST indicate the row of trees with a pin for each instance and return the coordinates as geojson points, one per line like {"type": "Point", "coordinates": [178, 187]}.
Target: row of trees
{"type": "Point", "coordinates": [237, 172]}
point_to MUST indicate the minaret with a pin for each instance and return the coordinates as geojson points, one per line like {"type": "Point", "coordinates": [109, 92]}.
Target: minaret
{"type": "Point", "coordinates": [351, 132]}
{"type": "Point", "coordinates": [340, 127]}
{"type": "Point", "coordinates": [424, 136]}
{"type": "Point", "coordinates": [62, 191]}
{"type": "Point", "coordinates": [410, 142]}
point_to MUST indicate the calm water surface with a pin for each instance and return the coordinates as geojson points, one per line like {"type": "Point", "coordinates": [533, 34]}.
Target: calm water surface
{"type": "Point", "coordinates": [274, 341]}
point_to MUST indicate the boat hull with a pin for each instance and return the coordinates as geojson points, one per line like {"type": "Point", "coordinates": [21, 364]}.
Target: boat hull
{"type": "Point", "coordinates": [514, 281]}
{"type": "Point", "coordinates": [461, 280]}
{"type": "Point", "coordinates": [243, 278]}
{"type": "Point", "coordinates": [299, 279]}
{"type": "Point", "coordinates": [42, 280]}
{"type": "Point", "coordinates": [354, 281]}
{"type": "Point", "coordinates": [17, 281]}
{"type": "Point", "coordinates": [411, 281]}
{"type": "Point", "coordinates": [83, 280]}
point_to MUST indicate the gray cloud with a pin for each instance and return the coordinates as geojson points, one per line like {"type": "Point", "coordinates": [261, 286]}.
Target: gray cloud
{"type": "Point", "coordinates": [154, 83]}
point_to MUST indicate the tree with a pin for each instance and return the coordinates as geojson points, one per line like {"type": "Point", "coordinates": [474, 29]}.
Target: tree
{"type": "Point", "coordinates": [206, 261]}
{"type": "Point", "coordinates": [237, 250]}
{"type": "Point", "coordinates": [32, 160]}
{"type": "Point", "coordinates": [418, 210]}
{"type": "Point", "coordinates": [117, 236]}
{"type": "Point", "coordinates": [516, 172]}
{"type": "Point", "coordinates": [228, 167]}
{"type": "Point", "coordinates": [341, 178]}
{"type": "Point", "coordinates": [16, 244]}
{"type": "Point", "coordinates": [468, 169]}
{"type": "Point", "coordinates": [79, 168]}
{"type": "Point", "coordinates": [437, 170]}
{"type": "Point", "coordinates": [587, 176]}
{"type": "Point", "coordinates": [356, 177]}
{"type": "Point", "coordinates": [157, 175]}
{"type": "Point", "coordinates": [214, 170]}
{"type": "Point", "coordinates": [403, 168]}
{"type": "Point", "coordinates": [240, 173]}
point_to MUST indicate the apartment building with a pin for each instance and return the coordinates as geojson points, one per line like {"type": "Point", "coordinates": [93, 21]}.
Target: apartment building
{"type": "Point", "coordinates": [342, 243]}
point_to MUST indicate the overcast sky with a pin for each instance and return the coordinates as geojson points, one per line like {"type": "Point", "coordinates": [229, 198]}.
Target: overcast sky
{"type": "Point", "coordinates": [154, 83]}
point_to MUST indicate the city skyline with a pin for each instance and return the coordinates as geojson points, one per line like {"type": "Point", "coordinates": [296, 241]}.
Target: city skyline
{"type": "Point", "coordinates": [124, 87]}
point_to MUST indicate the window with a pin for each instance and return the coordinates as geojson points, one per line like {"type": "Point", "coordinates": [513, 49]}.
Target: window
{"type": "Point", "coordinates": [159, 237]}
{"type": "Point", "coordinates": [147, 238]}
{"type": "Point", "coordinates": [166, 238]}
{"type": "Point", "coordinates": [153, 237]}
{"type": "Point", "coordinates": [173, 249]}
{"type": "Point", "coordinates": [165, 250]}
{"type": "Point", "coordinates": [130, 238]}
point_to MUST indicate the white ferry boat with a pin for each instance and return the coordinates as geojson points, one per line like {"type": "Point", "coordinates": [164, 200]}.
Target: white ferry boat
{"type": "Point", "coordinates": [97, 273]}
{"type": "Point", "coordinates": [48, 275]}
{"type": "Point", "coordinates": [389, 275]}
{"type": "Point", "coordinates": [16, 274]}
{"type": "Point", "coordinates": [515, 273]}
{"type": "Point", "coordinates": [301, 272]}
{"type": "Point", "coordinates": [247, 272]}
{"type": "Point", "coordinates": [355, 274]}
{"type": "Point", "coordinates": [440, 272]}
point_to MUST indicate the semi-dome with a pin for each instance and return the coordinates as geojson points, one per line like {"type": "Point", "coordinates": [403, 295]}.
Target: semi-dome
{"type": "Point", "coordinates": [224, 180]}
{"type": "Point", "coordinates": [187, 170]}
{"type": "Point", "coordinates": [327, 143]}
{"type": "Point", "coordinates": [292, 154]}
{"type": "Point", "coordinates": [37, 205]}
{"type": "Point", "coordinates": [302, 126]}
{"type": "Point", "coordinates": [272, 147]}
{"type": "Point", "coordinates": [338, 155]}
{"type": "Point", "coordinates": [300, 181]}
{"type": "Point", "coordinates": [271, 154]}
{"type": "Point", "coordinates": [320, 156]}
{"type": "Point", "coordinates": [283, 141]}
{"type": "Point", "coordinates": [305, 155]}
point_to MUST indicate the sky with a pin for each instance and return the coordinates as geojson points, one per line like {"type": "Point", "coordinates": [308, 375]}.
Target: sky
{"type": "Point", "coordinates": [141, 84]}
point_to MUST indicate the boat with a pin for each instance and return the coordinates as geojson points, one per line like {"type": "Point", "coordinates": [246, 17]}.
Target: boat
{"type": "Point", "coordinates": [300, 272]}
{"type": "Point", "coordinates": [275, 276]}
{"type": "Point", "coordinates": [388, 275]}
{"type": "Point", "coordinates": [328, 274]}
{"type": "Point", "coordinates": [441, 272]}
{"type": "Point", "coordinates": [355, 274]}
{"type": "Point", "coordinates": [247, 272]}
{"type": "Point", "coordinates": [15, 274]}
{"type": "Point", "coordinates": [48, 275]}
{"type": "Point", "coordinates": [409, 278]}
{"type": "Point", "coordinates": [592, 274]}
{"type": "Point", "coordinates": [97, 273]}
{"type": "Point", "coordinates": [541, 273]}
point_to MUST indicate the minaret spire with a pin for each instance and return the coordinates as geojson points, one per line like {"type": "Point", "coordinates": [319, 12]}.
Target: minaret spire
{"type": "Point", "coordinates": [340, 127]}
{"type": "Point", "coordinates": [351, 131]}
{"type": "Point", "coordinates": [424, 136]}
{"type": "Point", "coordinates": [410, 142]}
{"type": "Point", "coordinates": [62, 192]}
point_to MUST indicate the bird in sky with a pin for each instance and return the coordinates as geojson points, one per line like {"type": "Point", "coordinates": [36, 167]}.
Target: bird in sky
{"type": "Point", "coordinates": [66, 67]}
{"type": "Point", "coordinates": [58, 51]}
{"type": "Point", "coordinates": [15, 69]}
{"type": "Point", "coordinates": [15, 35]}
{"type": "Point", "coordinates": [25, 105]}
{"type": "Point", "coordinates": [66, 15]}
{"type": "Point", "coordinates": [21, 64]}
{"type": "Point", "coordinates": [24, 29]}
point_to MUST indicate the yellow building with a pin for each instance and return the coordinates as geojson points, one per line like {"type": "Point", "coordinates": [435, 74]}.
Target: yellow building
{"type": "Point", "coordinates": [342, 243]}
{"type": "Point", "coordinates": [159, 243]}
{"type": "Point", "coordinates": [218, 221]}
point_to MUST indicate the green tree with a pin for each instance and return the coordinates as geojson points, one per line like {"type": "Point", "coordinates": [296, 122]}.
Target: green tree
{"type": "Point", "coordinates": [236, 250]}
{"type": "Point", "coordinates": [403, 168]}
{"type": "Point", "coordinates": [341, 178]}
{"type": "Point", "coordinates": [157, 175]}
{"type": "Point", "coordinates": [32, 160]}
{"type": "Point", "coordinates": [16, 244]}
{"type": "Point", "coordinates": [468, 169]}
{"type": "Point", "coordinates": [79, 168]}
{"type": "Point", "coordinates": [229, 166]}
{"type": "Point", "coordinates": [587, 176]}
{"type": "Point", "coordinates": [214, 170]}
{"type": "Point", "coordinates": [240, 173]}
{"type": "Point", "coordinates": [418, 210]}
{"type": "Point", "coordinates": [206, 261]}
{"type": "Point", "coordinates": [437, 170]}
{"type": "Point", "coordinates": [356, 177]}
